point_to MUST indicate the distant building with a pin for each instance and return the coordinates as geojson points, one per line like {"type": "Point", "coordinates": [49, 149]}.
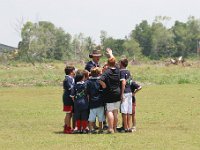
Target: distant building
{"type": "Point", "coordinates": [6, 48]}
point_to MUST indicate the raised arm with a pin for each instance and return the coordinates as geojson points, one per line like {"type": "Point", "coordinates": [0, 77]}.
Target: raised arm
{"type": "Point", "coordinates": [109, 53]}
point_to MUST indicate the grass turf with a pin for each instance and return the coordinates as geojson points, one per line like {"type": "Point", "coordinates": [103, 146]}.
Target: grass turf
{"type": "Point", "coordinates": [168, 117]}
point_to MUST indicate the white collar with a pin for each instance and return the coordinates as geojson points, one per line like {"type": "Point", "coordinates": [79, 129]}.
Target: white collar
{"type": "Point", "coordinates": [69, 76]}
{"type": "Point", "coordinates": [123, 69]}
{"type": "Point", "coordinates": [94, 77]}
{"type": "Point", "coordinates": [81, 82]}
{"type": "Point", "coordinates": [94, 63]}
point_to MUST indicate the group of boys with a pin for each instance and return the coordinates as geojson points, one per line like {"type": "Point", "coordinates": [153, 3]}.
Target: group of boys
{"type": "Point", "coordinates": [83, 99]}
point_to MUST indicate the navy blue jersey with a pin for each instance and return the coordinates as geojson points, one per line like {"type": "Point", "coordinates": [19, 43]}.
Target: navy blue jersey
{"type": "Point", "coordinates": [94, 92]}
{"type": "Point", "coordinates": [111, 77]}
{"type": "Point", "coordinates": [68, 84]}
{"type": "Point", "coordinates": [134, 86]}
{"type": "Point", "coordinates": [90, 65]}
{"type": "Point", "coordinates": [80, 96]}
{"type": "Point", "coordinates": [125, 75]}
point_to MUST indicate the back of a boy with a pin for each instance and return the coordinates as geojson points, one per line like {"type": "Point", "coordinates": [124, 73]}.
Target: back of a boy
{"type": "Point", "coordinates": [126, 106]}
{"type": "Point", "coordinates": [134, 88]}
{"type": "Point", "coordinates": [80, 96]}
{"type": "Point", "coordinates": [68, 84]}
{"type": "Point", "coordinates": [94, 92]}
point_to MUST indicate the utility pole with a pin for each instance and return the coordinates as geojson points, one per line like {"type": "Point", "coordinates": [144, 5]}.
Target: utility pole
{"type": "Point", "coordinates": [198, 48]}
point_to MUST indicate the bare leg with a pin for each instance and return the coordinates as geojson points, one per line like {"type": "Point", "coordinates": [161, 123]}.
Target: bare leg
{"type": "Point", "coordinates": [115, 114]}
{"type": "Point", "coordinates": [133, 120]}
{"type": "Point", "coordinates": [100, 125]}
{"type": "Point", "coordinates": [91, 125]}
{"type": "Point", "coordinates": [110, 118]}
{"type": "Point", "coordinates": [124, 116]}
{"type": "Point", "coordinates": [129, 121]}
{"type": "Point", "coordinates": [68, 119]}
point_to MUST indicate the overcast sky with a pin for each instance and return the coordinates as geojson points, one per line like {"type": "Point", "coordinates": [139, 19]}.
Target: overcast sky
{"type": "Point", "coordinates": [117, 17]}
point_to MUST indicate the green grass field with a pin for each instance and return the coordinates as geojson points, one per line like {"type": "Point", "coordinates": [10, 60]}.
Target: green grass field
{"type": "Point", "coordinates": [168, 117]}
{"type": "Point", "coordinates": [52, 74]}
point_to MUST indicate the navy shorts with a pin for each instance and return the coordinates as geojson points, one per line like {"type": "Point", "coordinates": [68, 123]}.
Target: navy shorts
{"type": "Point", "coordinates": [81, 115]}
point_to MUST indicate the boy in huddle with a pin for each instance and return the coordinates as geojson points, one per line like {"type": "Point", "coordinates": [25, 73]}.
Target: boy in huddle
{"type": "Point", "coordinates": [134, 88]}
{"type": "Point", "coordinates": [126, 95]}
{"type": "Point", "coordinates": [68, 84]}
{"type": "Point", "coordinates": [94, 92]}
{"type": "Point", "coordinates": [81, 105]}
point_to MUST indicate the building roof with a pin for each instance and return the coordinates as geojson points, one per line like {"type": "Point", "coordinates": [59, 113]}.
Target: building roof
{"type": "Point", "coordinates": [6, 48]}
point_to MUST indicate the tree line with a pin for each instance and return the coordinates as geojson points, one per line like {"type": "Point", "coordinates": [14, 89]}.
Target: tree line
{"type": "Point", "coordinates": [43, 40]}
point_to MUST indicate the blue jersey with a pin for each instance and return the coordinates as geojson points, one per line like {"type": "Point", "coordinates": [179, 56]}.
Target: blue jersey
{"type": "Point", "coordinates": [94, 91]}
{"type": "Point", "coordinates": [90, 65]}
{"type": "Point", "coordinates": [125, 75]}
{"type": "Point", "coordinates": [68, 84]}
{"type": "Point", "coordinates": [80, 96]}
{"type": "Point", "coordinates": [134, 86]}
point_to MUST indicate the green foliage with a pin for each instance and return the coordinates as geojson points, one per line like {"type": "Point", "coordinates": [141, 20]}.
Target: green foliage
{"type": "Point", "coordinates": [43, 41]}
{"type": "Point", "coordinates": [142, 34]}
{"type": "Point", "coordinates": [115, 44]}
{"type": "Point", "coordinates": [162, 41]}
{"type": "Point", "coordinates": [132, 48]}
{"type": "Point", "coordinates": [157, 41]}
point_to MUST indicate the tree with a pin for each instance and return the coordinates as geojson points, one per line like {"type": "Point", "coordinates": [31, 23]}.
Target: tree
{"type": "Point", "coordinates": [132, 48]}
{"type": "Point", "coordinates": [63, 47]}
{"type": "Point", "coordinates": [162, 41]}
{"type": "Point", "coordinates": [42, 41]}
{"type": "Point", "coordinates": [180, 38]}
{"type": "Point", "coordinates": [115, 44]}
{"type": "Point", "coordinates": [82, 46]}
{"type": "Point", "coordinates": [103, 36]}
{"type": "Point", "coordinates": [142, 34]}
{"type": "Point", "coordinates": [193, 31]}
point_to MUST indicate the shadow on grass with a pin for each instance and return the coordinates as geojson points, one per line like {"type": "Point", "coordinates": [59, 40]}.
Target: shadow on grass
{"type": "Point", "coordinates": [58, 132]}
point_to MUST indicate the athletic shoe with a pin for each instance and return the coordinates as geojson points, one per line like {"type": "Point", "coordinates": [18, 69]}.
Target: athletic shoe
{"type": "Point", "coordinates": [68, 130]}
{"type": "Point", "coordinates": [76, 132]}
{"type": "Point", "coordinates": [105, 127]}
{"type": "Point", "coordinates": [96, 127]}
{"type": "Point", "coordinates": [133, 129]}
{"type": "Point", "coordinates": [100, 132]}
{"type": "Point", "coordinates": [92, 131]}
{"type": "Point", "coordinates": [120, 129]}
{"type": "Point", "coordinates": [85, 131]}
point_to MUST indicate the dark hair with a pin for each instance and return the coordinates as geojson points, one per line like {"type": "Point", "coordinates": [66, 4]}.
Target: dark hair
{"type": "Point", "coordinates": [69, 69]}
{"type": "Point", "coordinates": [124, 62]}
{"type": "Point", "coordinates": [79, 76]}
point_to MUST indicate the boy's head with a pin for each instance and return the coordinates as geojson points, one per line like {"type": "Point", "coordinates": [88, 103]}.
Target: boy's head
{"type": "Point", "coordinates": [86, 74]}
{"type": "Point", "coordinates": [79, 76]}
{"type": "Point", "coordinates": [104, 68]}
{"type": "Point", "coordinates": [95, 72]}
{"type": "Point", "coordinates": [111, 62]}
{"type": "Point", "coordinates": [69, 70]}
{"type": "Point", "coordinates": [124, 62]}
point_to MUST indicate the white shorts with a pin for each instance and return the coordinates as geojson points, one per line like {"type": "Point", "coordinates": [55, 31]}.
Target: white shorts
{"type": "Point", "coordinates": [126, 105]}
{"type": "Point", "coordinates": [112, 106]}
{"type": "Point", "coordinates": [97, 112]}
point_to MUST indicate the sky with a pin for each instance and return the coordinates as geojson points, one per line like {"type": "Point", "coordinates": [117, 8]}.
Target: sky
{"type": "Point", "coordinates": [117, 17]}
